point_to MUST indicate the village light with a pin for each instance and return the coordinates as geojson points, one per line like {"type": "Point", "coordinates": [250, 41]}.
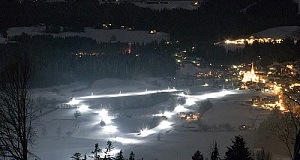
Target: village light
{"type": "Point", "coordinates": [74, 102]}
{"type": "Point", "coordinates": [83, 108]}
{"type": "Point", "coordinates": [227, 41]}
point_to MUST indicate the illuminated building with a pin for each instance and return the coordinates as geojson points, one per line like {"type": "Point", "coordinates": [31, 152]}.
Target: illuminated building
{"type": "Point", "coordinates": [250, 76]}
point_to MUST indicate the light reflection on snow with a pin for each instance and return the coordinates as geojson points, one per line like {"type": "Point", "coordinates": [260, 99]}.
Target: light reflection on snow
{"type": "Point", "coordinates": [145, 132]}
{"type": "Point", "coordinates": [74, 102]}
{"type": "Point", "coordinates": [180, 108]}
{"type": "Point", "coordinates": [110, 129]}
{"type": "Point", "coordinates": [104, 116]}
{"type": "Point", "coordinates": [164, 125]}
{"type": "Point", "coordinates": [128, 94]}
{"type": "Point", "coordinates": [191, 99]}
{"type": "Point", "coordinates": [83, 108]}
{"type": "Point", "coordinates": [126, 140]}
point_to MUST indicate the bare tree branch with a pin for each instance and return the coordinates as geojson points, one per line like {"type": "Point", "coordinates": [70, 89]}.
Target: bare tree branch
{"type": "Point", "coordinates": [16, 108]}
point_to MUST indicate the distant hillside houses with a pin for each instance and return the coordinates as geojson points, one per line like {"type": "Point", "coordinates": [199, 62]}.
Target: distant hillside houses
{"type": "Point", "coordinates": [273, 35]}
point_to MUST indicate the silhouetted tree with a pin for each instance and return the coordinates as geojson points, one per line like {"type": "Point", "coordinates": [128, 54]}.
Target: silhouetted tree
{"type": "Point", "coordinates": [120, 156]}
{"type": "Point", "coordinates": [286, 127]}
{"type": "Point", "coordinates": [262, 155]}
{"type": "Point", "coordinates": [76, 156]}
{"type": "Point", "coordinates": [197, 156]}
{"type": "Point", "coordinates": [109, 147]}
{"type": "Point", "coordinates": [16, 108]}
{"type": "Point", "coordinates": [238, 151]}
{"type": "Point", "coordinates": [97, 151]}
{"type": "Point", "coordinates": [215, 153]}
{"type": "Point", "coordinates": [131, 156]}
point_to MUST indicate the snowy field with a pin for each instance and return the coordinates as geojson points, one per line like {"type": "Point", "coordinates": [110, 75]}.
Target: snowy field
{"type": "Point", "coordinates": [60, 134]}
{"type": "Point", "coordinates": [169, 5]}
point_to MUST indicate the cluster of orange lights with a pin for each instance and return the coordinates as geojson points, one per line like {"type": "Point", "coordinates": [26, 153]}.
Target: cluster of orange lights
{"type": "Point", "coordinates": [81, 54]}
{"type": "Point", "coordinates": [251, 40]}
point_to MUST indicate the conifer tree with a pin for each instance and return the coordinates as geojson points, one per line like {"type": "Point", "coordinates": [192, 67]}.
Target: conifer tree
{"type": "Point", "coordinates": [76, 156]}
{"type": "Point", "coordinates": [238, 151]}
{"type": "Point", "coordinates": [131, 156]}
{"type": "Point", "coordinates": [215, 153]}
{"type": "Point", "coordinates": [108, 148]}
{"type": "Point", "coordinates": [97, 152]}
{"type": "Point", "coordinates": [120, 156]}
{"type": "Point", "coordinates": [197, 156]}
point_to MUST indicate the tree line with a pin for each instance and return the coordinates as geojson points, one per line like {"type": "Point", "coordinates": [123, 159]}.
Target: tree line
{"type": "Point", "coordinates": [236, 151]}
{"type": "Point", "coordinates": [213, 20]}
{"type": "Point", "coordinates": [64, 60]}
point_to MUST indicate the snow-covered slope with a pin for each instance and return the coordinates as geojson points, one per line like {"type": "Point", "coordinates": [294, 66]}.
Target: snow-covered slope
{"type": "Point", "coordinates": [60, 135]}
{"type": "Point", "coordinates": [168, 5]}
{"type": "Point", "coordinates": [100, 35]}
{"type": "Point", "coordinates": [279, 32]}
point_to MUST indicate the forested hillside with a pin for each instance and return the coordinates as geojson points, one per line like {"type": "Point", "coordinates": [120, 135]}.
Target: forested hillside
{"type": "Point", "coordinates": [63, 60]}
{"type": "Point", "coordinates": [214, 19]}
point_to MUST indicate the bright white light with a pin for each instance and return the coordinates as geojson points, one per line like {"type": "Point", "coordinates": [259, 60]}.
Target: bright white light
{"type": "Point", "coordinates": [126, 140]}
{"type": "Point", "coordinates": [190, 101]}
{"type": "Point", "coordinates": [146, 132]}
{"type": "Point", "coordinates": [168, 114]}
{"type": "Point", "coordinates": [110, 129]}
{"type": "Point", "coordinates": [129, 94]}
{"type": "Point", "coordinates": [74, 102]}
{"type": "Point", "coordinates": [181, 94]}
{"type": "Point", "coordinates": [206, 84]}
{"type": "Point", "coordinates": [164, 125]}
{"type": "Point", "coordinates": [103, 113]}
{"type": "Point", "coordinates": [83, 108]}
{"type": "Point", "coordinates": [180, 108]}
